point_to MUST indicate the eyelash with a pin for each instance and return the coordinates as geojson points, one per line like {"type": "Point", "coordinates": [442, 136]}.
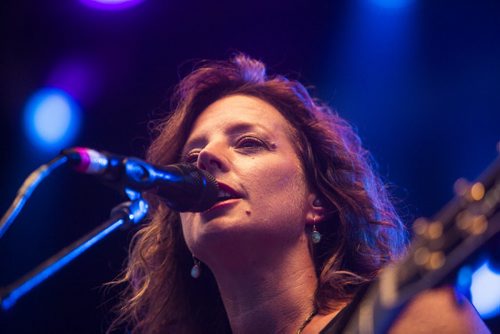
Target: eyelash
{"type": "Point", "coordinates": [191, 157]}
{"type": "Point", "coordinates": [255, 144]}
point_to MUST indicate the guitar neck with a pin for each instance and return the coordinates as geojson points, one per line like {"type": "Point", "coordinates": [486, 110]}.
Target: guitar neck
{"type": "Point", "coordinates": [440, 247]}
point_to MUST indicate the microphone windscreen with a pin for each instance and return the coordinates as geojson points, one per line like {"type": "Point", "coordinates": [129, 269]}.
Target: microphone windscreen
{"type": "Point", "coordinates": [196, 191]}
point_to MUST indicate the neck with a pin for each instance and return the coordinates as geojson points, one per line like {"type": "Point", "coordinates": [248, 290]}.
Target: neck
{"type": "Point", "coordinates": [271, 293]}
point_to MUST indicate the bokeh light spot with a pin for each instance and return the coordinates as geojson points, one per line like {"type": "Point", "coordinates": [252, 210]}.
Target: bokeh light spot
{"type": "Point", "coordinates": [485, 291]}
{"type": "Point", "coordinates": [52, 119]}
{"type": "Point", "coordinates": [111, 4]}
{"type": "Point", "coordinates": [394, 4]}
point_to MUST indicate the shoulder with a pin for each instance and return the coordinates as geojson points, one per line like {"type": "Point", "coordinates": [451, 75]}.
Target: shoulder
{"type": "Point", "coordinates": [439, 311]}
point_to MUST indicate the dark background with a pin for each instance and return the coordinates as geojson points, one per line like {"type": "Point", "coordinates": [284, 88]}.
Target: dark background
{"type": "Point", "coordinates": [420, 83]}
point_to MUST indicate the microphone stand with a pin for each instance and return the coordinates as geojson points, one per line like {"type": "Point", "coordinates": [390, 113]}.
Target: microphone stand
{"type": "Point", "coordinates": [124, 214]}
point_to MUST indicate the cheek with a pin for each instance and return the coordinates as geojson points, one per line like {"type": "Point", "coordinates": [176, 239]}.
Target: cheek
{"type": "Point", "coordinates": [280, 183]}
{"type": "Point", "coordinates": [285, 175]}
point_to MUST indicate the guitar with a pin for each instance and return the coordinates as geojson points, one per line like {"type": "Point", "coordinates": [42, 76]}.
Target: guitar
{"type": "Point", "coordinates": [439, 248]}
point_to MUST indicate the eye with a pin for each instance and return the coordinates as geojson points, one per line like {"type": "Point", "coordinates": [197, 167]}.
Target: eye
{"type": "Point", "coordinates": [191, 157]}
{"type": "Point", "coordinates": [250, 142]}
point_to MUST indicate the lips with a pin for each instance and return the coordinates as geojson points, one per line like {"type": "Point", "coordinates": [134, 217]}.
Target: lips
{"type": "Point", "coordinates": [226, 192]}
{"type": "Point", "coordinates": [225, 197]}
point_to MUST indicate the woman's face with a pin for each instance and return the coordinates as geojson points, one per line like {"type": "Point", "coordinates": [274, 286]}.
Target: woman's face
{"type": "Point", "coordinates": [247, 145]}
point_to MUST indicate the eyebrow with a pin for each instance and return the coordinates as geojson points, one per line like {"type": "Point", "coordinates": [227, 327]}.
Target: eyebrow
{"type": "Point", "coordinates": [231, 131]}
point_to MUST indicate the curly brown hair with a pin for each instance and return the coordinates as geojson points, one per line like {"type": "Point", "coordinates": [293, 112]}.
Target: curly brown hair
{"type": "Point", "coordinates": [362, 231]}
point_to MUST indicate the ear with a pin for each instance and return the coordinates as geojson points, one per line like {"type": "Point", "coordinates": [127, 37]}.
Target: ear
{"type": "Point", "coordinates": [316, 210]}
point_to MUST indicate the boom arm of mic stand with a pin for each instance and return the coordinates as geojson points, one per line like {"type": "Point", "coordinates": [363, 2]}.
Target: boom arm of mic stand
{"type": "Point", "coordinates": [123, 214]}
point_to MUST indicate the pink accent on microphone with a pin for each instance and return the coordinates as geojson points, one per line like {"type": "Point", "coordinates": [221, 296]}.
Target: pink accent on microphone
{"type": "Point", "coordinates": [84, 159]}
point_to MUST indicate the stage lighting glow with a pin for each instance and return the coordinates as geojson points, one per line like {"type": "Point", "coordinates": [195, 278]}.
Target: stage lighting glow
{"type": "Point", "coordinates": [392, 3]}
{"type": "Point", "coordinates": [51, 119]}
{"type": "Point", "coordinates": [78, 76]}
{"type": "Point", "coordinates": [111, 4]}
{"type": "Point", "coordinates": [485, 291]}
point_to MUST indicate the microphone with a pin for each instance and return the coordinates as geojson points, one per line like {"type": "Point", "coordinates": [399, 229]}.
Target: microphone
{"type": "Point", "coordinates": [183, 186]}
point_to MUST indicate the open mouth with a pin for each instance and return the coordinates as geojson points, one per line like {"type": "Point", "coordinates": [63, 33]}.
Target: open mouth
{"type": "Point", "coordinates": [226, 192]}
{"type": "Point", "coordinates": [226, 196]}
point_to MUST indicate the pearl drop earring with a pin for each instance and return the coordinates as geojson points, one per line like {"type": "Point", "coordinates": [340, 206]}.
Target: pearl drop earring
{"type": "Point", "coordinates": [315, 235]}
{"type": "Point", "coordinates": [196, 269]}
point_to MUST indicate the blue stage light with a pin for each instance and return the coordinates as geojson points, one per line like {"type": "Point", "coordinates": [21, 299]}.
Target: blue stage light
{"type": "Point", "coordinates": [485, 291]}
{"type": "Point", "coordinates": [52, 119]}
{"type": "Point", "coordinates": [392, 3]}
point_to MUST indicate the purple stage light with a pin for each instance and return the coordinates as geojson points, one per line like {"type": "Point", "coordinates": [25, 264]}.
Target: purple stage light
{"type": "Point", "coordinates": [80, 78]}
{"type": "Point", "coordinates": [111, 4]}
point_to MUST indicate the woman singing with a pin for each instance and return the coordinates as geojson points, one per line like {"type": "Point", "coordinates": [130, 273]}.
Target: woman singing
{"type": "Point", "coordinates": [302, 222]}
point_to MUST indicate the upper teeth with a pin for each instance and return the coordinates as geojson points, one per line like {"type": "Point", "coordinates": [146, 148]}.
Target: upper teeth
{"type": "Point", "coordinates": [223, 193]}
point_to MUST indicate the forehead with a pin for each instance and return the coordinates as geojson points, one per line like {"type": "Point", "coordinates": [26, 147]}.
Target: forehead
{"type": "Point", "coordinates": [240, 113]}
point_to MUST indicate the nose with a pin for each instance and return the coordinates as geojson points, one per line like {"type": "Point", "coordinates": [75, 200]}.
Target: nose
{"type": "Point", "coordinates": [211, 159]}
